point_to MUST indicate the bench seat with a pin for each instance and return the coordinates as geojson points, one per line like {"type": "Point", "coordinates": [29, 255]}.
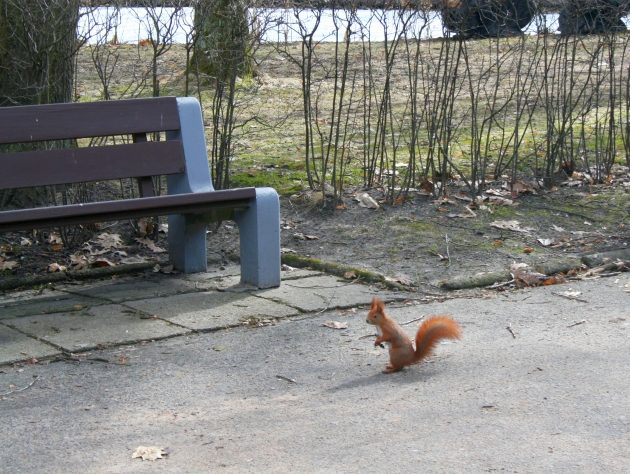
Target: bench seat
{"type": "Point", "coordinates": [103, 211]}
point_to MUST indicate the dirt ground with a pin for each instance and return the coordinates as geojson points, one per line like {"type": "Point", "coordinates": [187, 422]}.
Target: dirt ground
{"type": "Point", "coordinates": [419, 242]}
{"type": "Point", "coordinates": [425, 240]}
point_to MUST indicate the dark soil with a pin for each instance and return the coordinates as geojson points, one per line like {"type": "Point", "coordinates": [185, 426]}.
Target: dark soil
{"type": "Point", "coordinates": [425, 240]}
{"type": "Point", "coordinates": [419, 242]}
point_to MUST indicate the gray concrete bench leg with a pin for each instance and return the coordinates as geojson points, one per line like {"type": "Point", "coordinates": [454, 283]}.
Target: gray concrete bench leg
{"type": "Point", "coordinates": [187, 243]}
{"type": "Point", "coordinates": [187, 234]}
{"type": "Point", "coordinates": [259, 224]}
{"type": "Point", "coordinates": [259, 229]}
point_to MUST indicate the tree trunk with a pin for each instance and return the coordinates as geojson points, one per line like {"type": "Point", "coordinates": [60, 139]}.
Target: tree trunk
{"type": "Point", "coordinates": [38, 44]}
{"type": "Point", "coordinates": [222, 47]}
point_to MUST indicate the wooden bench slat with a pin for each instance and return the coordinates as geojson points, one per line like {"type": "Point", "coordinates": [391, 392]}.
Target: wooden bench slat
{"type": "Point", "coordinates": [193, 203]}
{"type": "Point", "coordinates": [73, 165]}
{"type": "Point", "coordinates": [31, 123]}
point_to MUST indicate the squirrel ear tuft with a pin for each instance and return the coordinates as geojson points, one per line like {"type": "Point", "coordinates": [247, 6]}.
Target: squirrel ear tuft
{"type": "Point", "coordinates": [377, 303]}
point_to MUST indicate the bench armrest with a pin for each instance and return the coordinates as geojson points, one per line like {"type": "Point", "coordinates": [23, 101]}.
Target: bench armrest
{"type": "Point", "coordinates": [197, 176]}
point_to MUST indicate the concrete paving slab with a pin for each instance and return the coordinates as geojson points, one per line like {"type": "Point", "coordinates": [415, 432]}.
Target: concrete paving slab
{"type": "Point", "coordinates": [232, 270]}
{"type": "Point", "coordinates": [203, 282]}
{"type": "Point", "coordinates": [27, 303]}
{"type": "Point", "coordinates": [318, 293]}
{"type": "Point", "coordinates": [15, 346]}
{"type": "Point", "coordinates": [94, 327]}
{"type": "Point", "coordinates": [213, 309]}
{"type": "Point", "coordinates": [294, 273]}
{"type": "Point", "coordinates": [218, 281]}
{"type": "Point", "coordinates": [115, 291]}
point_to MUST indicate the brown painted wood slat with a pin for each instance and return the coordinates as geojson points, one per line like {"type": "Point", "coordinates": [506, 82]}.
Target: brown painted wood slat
{"type": "Point", "coordinates": [31, 123]}
{"type": "Point", "coordinates": [146, 186]}
{"type": "Point", "coordinates": [193, 203]}
{"type": "Point", "coordinates": [73, 165]}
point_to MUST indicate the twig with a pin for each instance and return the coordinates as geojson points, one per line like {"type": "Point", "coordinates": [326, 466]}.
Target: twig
{"type": "Point", "coordinates": [497, 285]}
{"type": "Point", "coordinates": [287, 379]}
{"type": "Point", "coordinates": [327, 307]}
{"type": "Point", "coordinates": [10, 392]}
{"type": "Point", "coordinates": [577, 323]}
{"type": "Point", "coordinates": [412, 321]}
{"type": "Point", "coordinates": [509, 328]}
{"type": "Point", "coordinates": [569, 297]}
{"type": "Point", "coordinates": [448, 252]}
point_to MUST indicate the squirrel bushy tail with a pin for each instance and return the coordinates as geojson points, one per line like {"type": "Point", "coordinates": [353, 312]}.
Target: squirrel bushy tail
{"type": "Point", "coordinates": [433, 330]}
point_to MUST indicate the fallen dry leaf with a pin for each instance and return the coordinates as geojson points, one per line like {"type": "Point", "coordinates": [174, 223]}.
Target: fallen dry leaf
{"type": "Point", "coordinates": [102, 262]}
{"type": "Point", "coordinates": [8, 264]}
{"type": "Point", "coordinates": [54, 238]}
{"type": "Point", "coordinates": [367, 201]}
{"type": "Point", "coordinates": [520, 187]}
{"type": "Point", "coordinates": [427, 186]}
{"type": "Point", "coordinates": [150, 245]}
{"type": "Point", "coordinates": [145, 226]}
{"type": "Point", "coordinates": [400, 200]}
{"type": "Point", "coordinates": [167, 269]}
{"type": "Point", "coordinates": [301, 236]}
{"type": "Point", "coordinates": [148, 453]}
{"type": "Point", "coordinates": [133, 259]}
{"type": "Point", "coordinates": [570, 293]}
{"type": "Point", "coordinates": [546, 242]}
{"type": "Point", "coordinates": [467, 215]}
{"type": "Point", "coordinates": [512, 225]}
{"type": "Point", "coordinates": [525, 277]}
{"type": "Point", "coordinates": [335, 324]}
{"type": "Point", "coordinates": [554, 280]}
{"type": "Point", "coordinates": [56, 247]}
{"type": "Point", "coordinates": [55, 267]}
{"type": "Point", "coordinates": [501, 201]}
{"type": "Point", "coordinates": [79, 262]}
{"type": "Point", "coordinates": [402, 280]}
{"type": "Point", "coordinates": [89, 249]}
{"type": "Point", "coordinates": [497, 192]}
{"type": "Point", "coordinates": [463, 197]}
{"type": "Point", "coordinates": [109, 241]}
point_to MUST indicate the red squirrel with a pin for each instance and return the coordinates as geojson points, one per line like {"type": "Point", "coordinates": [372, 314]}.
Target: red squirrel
{"type": "Point", "coordinates": [401, 349]}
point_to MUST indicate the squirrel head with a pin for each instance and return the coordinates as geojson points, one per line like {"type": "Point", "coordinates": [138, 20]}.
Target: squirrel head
{"type": "Point", "coordinates": [377, 312]}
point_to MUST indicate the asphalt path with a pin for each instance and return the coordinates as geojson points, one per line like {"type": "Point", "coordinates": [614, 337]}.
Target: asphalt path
{"type": "Point", "coordinates": [539, 383]}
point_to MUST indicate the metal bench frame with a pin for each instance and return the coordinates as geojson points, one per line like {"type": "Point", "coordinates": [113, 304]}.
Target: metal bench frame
{"type": "Point", "coordinates": [191, 201]}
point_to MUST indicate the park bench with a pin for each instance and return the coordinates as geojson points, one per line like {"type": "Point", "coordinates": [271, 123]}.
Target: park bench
{"type": "Point", "coordinates": [191, 201]}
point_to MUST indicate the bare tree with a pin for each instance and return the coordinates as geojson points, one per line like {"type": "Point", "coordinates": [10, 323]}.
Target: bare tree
{"type": "Point", "coordinates": [38, 43]}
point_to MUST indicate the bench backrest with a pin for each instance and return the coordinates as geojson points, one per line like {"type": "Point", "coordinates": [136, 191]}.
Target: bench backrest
{"type": "Point", "coordinates": [139, 159]}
